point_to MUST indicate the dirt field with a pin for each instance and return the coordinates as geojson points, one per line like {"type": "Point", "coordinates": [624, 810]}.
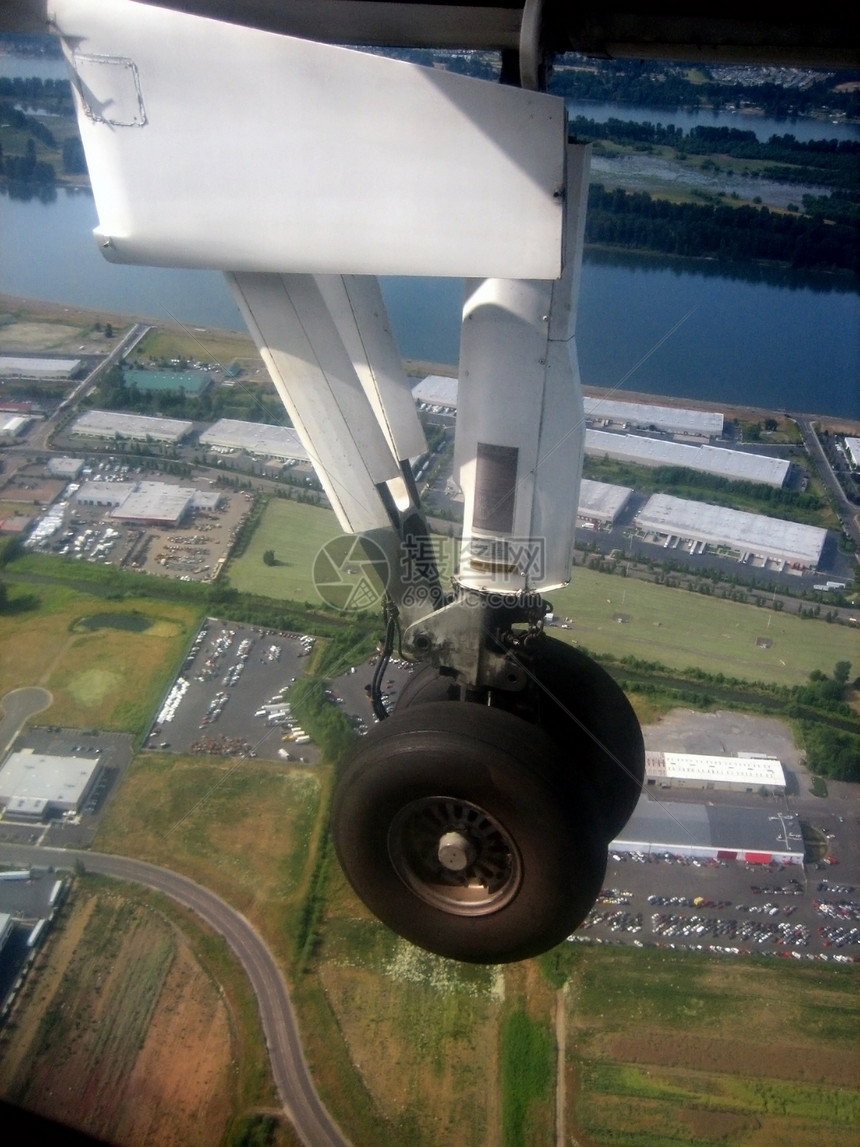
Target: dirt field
{"type": "Point", "coordinates": [122, 1033]}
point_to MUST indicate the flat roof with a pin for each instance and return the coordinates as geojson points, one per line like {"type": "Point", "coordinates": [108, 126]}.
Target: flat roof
{"type": "Point", "coordinates": [676, 826]}
{"type": "Point", "coordinates": [737, 529]}
{"type": "Point", "coordinates": [707, 767]}
{"type": "Point", "coordinates": [853, 447]}
{"type": "Point", "coordinates": [602, 500]}
{"type": "Point", "coordinates": [734, 464]}
{"type": "Point", "coordinates": [256, 438]}
{"type": "Point", "coordinates": [20, 367]}
{"type": "Point", "coordinates": [192, 381]}
{"type": "Point", "coordinates": [679, 420]}
{"type": "Point", "coordinates": [108, 423]}
{"type": "Point", "coordinates": [154, 501]}
{"type": "Point", "coordinates": [437, 390]}
{"type": "Point", "coordinates": [31, 781]}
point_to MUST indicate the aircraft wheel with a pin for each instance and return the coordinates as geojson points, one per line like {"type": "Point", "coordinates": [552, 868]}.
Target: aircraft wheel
{"type": "Point", "coordinates": [451, 826]}
{"type": "Point", "coordinates": [426, 684]}
{"type": "Point", "coordinates": [593, 725]}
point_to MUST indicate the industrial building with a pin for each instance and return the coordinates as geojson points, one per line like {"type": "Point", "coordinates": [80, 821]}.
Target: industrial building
{"type": "Point", "coordinates": [437, 390]}
{"type": "Point", "coordinates": [728, 774]}
{"type": "Point", "coordinates": [751, 537]}
{"type": "Point", "coordinates": [191, 381]}
{"type": "Point", "coordinates": [673, 420]}
{"type": "Point", "coordinates": [712, 832]}
{"type": "Point", "coordinates": [280, 442]}
{"type": "Point", "coordinates": [13, 425]}
{"type": "Point", "coordinates": [107, 424]}
{"type": "Point", "coordinates": [852, 446]}
{"type": "Point", "coordinates": [46, 369]}
{"type": "Point", "coordinates": [36, 785]}
{"type": "Point", "coordinates": [736, 465]}
{"type": "Point", "coordinates": [601, 503]}
{"type": "Point", "coordinates": [146, 503]}
{"type": "Point", "coordinates": [69, 468]}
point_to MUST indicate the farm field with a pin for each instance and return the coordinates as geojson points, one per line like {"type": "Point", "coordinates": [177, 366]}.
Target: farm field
{"type": "Point", "coordinates": [105, 663]}
{"type": "Point", "coordinates": [673, 626]}
{"type": "Point", "coordinates": [124, 1032]}
{"type": "Point", "coordinates": [680, 1048]}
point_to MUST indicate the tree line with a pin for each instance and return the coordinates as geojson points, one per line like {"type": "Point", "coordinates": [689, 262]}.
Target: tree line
{"type": "Point", "coordinates": [633, 220]}
{"type": "Point", "coordinates": [825, 162]}
{"type": "Point", "coordinates": [654, 84]}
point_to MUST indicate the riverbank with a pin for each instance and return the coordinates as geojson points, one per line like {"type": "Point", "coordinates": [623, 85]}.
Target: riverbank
{"type": "Point", "coordinates": [35, 326]}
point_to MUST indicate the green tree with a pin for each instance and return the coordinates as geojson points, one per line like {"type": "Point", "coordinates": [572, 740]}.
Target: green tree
{"type": "Point", "coordinates": [269, 558]}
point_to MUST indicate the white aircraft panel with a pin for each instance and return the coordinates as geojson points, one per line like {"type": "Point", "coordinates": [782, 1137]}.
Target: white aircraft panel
{"type": "Point", "coordinates": [211, 145]}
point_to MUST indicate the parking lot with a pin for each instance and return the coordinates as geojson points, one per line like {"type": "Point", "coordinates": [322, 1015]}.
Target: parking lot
{"type": "Point", "coordinates": [231, 697]}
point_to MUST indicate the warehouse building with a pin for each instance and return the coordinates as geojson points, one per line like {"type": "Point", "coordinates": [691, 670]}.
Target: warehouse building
{"type": "Point", "coordinates": [107, 424]}
{"type": "Point", "coordinates": [600, 503]}
{"type": "Point", "coordinates": [190, 381]}
{"type": "Point", "coordinates": [673, 420]}
{"type": "Point", "coordinates": [69, 468]}
{"type": "Point", "coordinates": [727, 774]}
{"type": "Point", "coordinates": [437, 390]}
{"type": "Point", "coordinates": [736, 465]}
{"type": "Point", "coordinates": [852, 446]}
{"type": "Point", "coordinates": [751, 537]}
{"type": "Point", "coordinates": [711, 832]}
{"type": "Point", "coordinates": [46, 369]}
{"type": "Point", "coordinates": [147, 503]}
{"type": "Point", "coordinates": [35, 785]}
{"type": "Point", "coordinates": [280, 442]}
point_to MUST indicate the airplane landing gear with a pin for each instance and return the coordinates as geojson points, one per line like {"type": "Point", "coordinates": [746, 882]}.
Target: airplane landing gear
{"type": "Point", "coordinates": [458, 827]}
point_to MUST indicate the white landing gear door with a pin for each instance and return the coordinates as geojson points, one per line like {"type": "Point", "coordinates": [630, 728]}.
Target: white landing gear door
{"type": "Point", "coordinates": [317, 381]}
{"type": "Point", "coordinates": [520, 430]}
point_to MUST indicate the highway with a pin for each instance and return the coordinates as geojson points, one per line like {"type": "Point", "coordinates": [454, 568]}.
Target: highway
{"type": "Point", "coordinates": [292, 1078]}
{"type": "Point", "coordinates": [847, 511]}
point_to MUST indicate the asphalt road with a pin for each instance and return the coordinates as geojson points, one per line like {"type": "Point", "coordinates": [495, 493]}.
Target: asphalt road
{"type": "Point", "coordinates": [292, 1078]}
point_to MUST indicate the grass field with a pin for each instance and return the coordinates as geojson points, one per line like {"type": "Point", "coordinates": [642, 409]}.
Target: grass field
{"type": "Point", "coordinates": [107, 677]}
{"type": "Point", "coordinates": [296, 532]}
{"type": "Point", "coordinates": [246, 829]}
{"type": "Point", "coordinates": [672, 626]}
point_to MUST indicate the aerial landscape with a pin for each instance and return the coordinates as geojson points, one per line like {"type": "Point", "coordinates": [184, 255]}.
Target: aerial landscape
{"type": "Point", "coordinates": [192, 651]}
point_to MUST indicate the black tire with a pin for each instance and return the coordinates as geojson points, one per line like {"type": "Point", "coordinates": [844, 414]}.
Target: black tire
{"type": "Point", "coordinates": [478, 787]}
{"type": "Point", "coordinates": [426, 684]}
{"type": "Point", "coordinates": [593, 725]}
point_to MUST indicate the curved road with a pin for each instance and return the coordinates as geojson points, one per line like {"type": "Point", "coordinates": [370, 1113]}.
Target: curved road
{"type": "Point", "coordinates": [292, 1077]}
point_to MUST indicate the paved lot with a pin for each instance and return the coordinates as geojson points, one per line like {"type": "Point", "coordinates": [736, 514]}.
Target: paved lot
{"type": "Point", "coordinates": [798, 912]}
{"type": "Point", "coordinates": [231, 672]}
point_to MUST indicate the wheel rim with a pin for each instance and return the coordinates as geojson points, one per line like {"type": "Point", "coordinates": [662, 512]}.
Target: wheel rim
{"type": "Point", "coordinates": [455, 856]}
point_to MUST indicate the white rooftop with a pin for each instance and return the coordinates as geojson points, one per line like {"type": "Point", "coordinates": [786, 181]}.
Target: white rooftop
{"type": "Point", "coordinates": [737, 529]}
{"type": "Point", "coordinates": [107, 423]}
{"type": "Point", "coordinates": [29, 781]}
{"type": "Point", "coordinates": [734, 464]}
{"type": "Point", "coordinates": [602, 500]}
{"type": "Point", "coordinates": [678, 420]}
{"type": "Point", "coordinates": [437, 390]}
{"type": "Point", "coordinates": [20, 367]}
{"type": "Point", "coordinates": [256, 438]}
{"type": "Point", "coordinates": [699, 767]}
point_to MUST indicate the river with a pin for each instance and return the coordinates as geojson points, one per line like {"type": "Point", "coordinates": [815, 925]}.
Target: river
{"type": "Point", "coordinates": [688, 330]}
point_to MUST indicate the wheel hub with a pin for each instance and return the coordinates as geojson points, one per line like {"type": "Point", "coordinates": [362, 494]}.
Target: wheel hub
{"type": "Point", "coordinates": [454, 855]}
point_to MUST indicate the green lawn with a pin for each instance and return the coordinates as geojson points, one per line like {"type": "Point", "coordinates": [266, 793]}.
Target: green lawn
{"type": "Point", "coordinates": [296, 532]}
{"type": "Point", "coordinates": [682, 629]}
{"type": "Point", "coordinates": [673, 626]}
